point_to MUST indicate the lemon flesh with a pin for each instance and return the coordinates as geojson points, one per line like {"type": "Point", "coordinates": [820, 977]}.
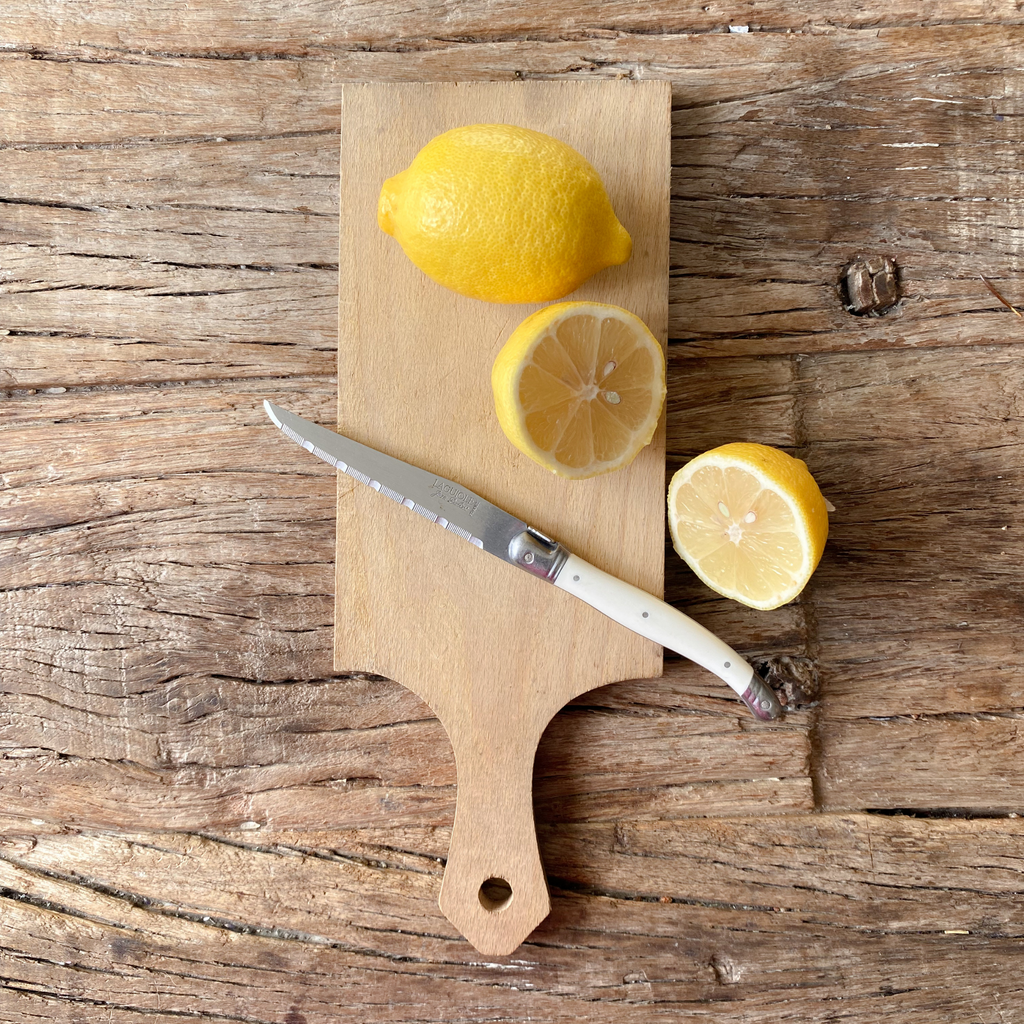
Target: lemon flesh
{"type": "Point", "coordinates": [503, 213]}
{"type": "Point", "coordinates": [750, 521]}
{"type": "Point", "coordinates": [579, 387]}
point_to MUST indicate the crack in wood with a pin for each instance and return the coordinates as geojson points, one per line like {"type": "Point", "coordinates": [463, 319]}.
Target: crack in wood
{"type": "Point", "coordinates": [255, 267]}
{"type": "Point", "coordinates": [54, 994]}
{"type": "Point", "coordinates": [51, 906]}
{"type": "Point", "coordinates": [943, 813]}
{"type": "Point", "coordinates": [597, 32]}
{"type": "Point", "coordinates": [166, 909]}
{"type": "Point", "coordinates": [173, 142]}
{"type": "Point", "coordinates": [334, 856]}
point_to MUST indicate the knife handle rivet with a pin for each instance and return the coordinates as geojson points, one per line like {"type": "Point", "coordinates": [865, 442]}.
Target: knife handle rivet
{"type": "Point", "coordinates": [647, 615]}
{"type": "Point", "coordinates": [528, 558]}
{"type": "Point", "coordinates": [575, 579]}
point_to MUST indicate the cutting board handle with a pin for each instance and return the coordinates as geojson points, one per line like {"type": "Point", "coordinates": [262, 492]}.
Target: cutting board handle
{"type": "Point", "coordinates": [494, 890]}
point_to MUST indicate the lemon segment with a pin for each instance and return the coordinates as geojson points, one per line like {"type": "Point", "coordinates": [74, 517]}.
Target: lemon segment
{"type": "Point", "coordinates": [503, 213]}
{"type": "Point", "coordinates": [579, 387]}
{"type": "Point", "coordinates": [750, 521]}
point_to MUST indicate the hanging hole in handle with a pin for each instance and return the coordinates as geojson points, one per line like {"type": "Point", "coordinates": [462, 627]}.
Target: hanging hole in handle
{"type": "Point", "coordinates": [495, 894]}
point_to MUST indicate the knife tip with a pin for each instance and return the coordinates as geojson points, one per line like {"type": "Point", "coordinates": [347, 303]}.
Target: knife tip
{"type": "Point", "coordinates": [272, 410]}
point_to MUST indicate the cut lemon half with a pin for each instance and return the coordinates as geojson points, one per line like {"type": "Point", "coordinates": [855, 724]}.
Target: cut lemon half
{"type": "Point", "coordinates": [579, 387]}
{"type": "Point", "coordinates": [750, 521]}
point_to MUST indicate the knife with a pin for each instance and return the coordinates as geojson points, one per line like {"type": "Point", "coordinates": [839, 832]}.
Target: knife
{"type": "Point", "coordinates": [496, 531]}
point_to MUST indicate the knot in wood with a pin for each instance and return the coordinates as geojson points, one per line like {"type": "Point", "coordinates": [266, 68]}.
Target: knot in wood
{"type": "Point", "coordinates": [727, 971]}
{"type": "Point", "coordinates": [870, 286]}
{"type": "Point", "coordinates": [794, 679]}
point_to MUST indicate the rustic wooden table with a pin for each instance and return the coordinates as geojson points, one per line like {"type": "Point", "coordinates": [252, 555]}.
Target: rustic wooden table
{"type": "Point", "coordinates": [199, 820]}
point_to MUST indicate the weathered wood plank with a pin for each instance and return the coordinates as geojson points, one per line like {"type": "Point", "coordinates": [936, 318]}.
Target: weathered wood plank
{"type": "Point", "coordinates": [202, 321]}
{"type": "Point", "coordinates": [208, 272]}
{"type": "Point", "coordinates": [230, 186]}
{"type": "Point", "coordinates": [920, 451]}
{"type": "Point", "coordinates": [152, 319]}
{"type": "Point", "coordinates": [916, 607]}
{"type": "Point", "coordinates": [318, 772]}
{"type": "Point", "coordinates": [750, 919]}
{"type": "Point", "coordinates": [179, 539]}
{"type": "Point", "coordinates": [305, 28]}
{"type": "Point", "coordinates": [161, 100]}
{"type": "Point", "coordinates": [838, 84]}
{"type": "Point", "coordinates": [724, 299]}
{"type": "Point", "coordinates": [163, 568]}
{"type": "Point", "coordinates": [985, 748]}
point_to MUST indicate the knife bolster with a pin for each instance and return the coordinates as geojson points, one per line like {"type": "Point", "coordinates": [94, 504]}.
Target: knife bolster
{"type": "Point", "coordinates": [539, 555]}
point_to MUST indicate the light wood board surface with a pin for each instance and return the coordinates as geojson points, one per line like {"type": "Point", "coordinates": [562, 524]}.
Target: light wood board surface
{"type": "Point", "coordinates": [200, 819]}
{"type": "Point", "coordinates": [492, 650]}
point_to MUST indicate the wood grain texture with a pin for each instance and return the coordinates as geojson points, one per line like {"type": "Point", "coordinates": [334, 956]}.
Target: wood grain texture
{"type": "Point", "coordinates": [306, 28]}
{"type": "Point", "coordinates": [168, 257]}
{"type": "Point", "coordinates": [736, 920]}
{"type": "Point", "coordinates": [493, 652]}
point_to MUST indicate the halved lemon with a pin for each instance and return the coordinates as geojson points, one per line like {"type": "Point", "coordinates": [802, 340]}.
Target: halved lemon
{"type": "Point", "coordinates": [579, 387]}
{"type": "Point", "coordinates": [750, 521]}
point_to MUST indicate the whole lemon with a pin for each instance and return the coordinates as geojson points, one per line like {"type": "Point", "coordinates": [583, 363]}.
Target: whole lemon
{"type": "Point", "coordinates": [503, 213]}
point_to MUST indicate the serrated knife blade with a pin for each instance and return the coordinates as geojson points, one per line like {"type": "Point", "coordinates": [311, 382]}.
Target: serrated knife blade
{"type": "Point", "coordinates": [436, 498]}
{"type": "Point", "coordinates": [509, 538]}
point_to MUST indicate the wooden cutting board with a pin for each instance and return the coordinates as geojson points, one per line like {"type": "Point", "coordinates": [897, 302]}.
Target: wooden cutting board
{"type": "Point", "coordinates": [493, 651]}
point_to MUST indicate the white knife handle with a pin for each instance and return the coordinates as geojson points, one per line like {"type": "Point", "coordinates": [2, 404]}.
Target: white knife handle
{"type": "Point", "coordinates": [647, 615]}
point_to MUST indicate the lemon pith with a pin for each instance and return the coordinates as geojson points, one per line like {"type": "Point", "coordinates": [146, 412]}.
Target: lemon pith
{"type": "Point", "coordinates": [503, 213]}
{"type": "Point", "coordinates": [750, 521]}
{"type": "Point", "coordinates": [579, 387]}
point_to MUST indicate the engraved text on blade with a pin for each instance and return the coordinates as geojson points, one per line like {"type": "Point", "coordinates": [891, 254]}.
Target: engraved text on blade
{"type": "Point", "coordinates": [456, 496]}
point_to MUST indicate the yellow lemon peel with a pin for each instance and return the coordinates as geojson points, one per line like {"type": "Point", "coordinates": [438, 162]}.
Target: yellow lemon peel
{"type": "Point", "coordinates": [503, 213]}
